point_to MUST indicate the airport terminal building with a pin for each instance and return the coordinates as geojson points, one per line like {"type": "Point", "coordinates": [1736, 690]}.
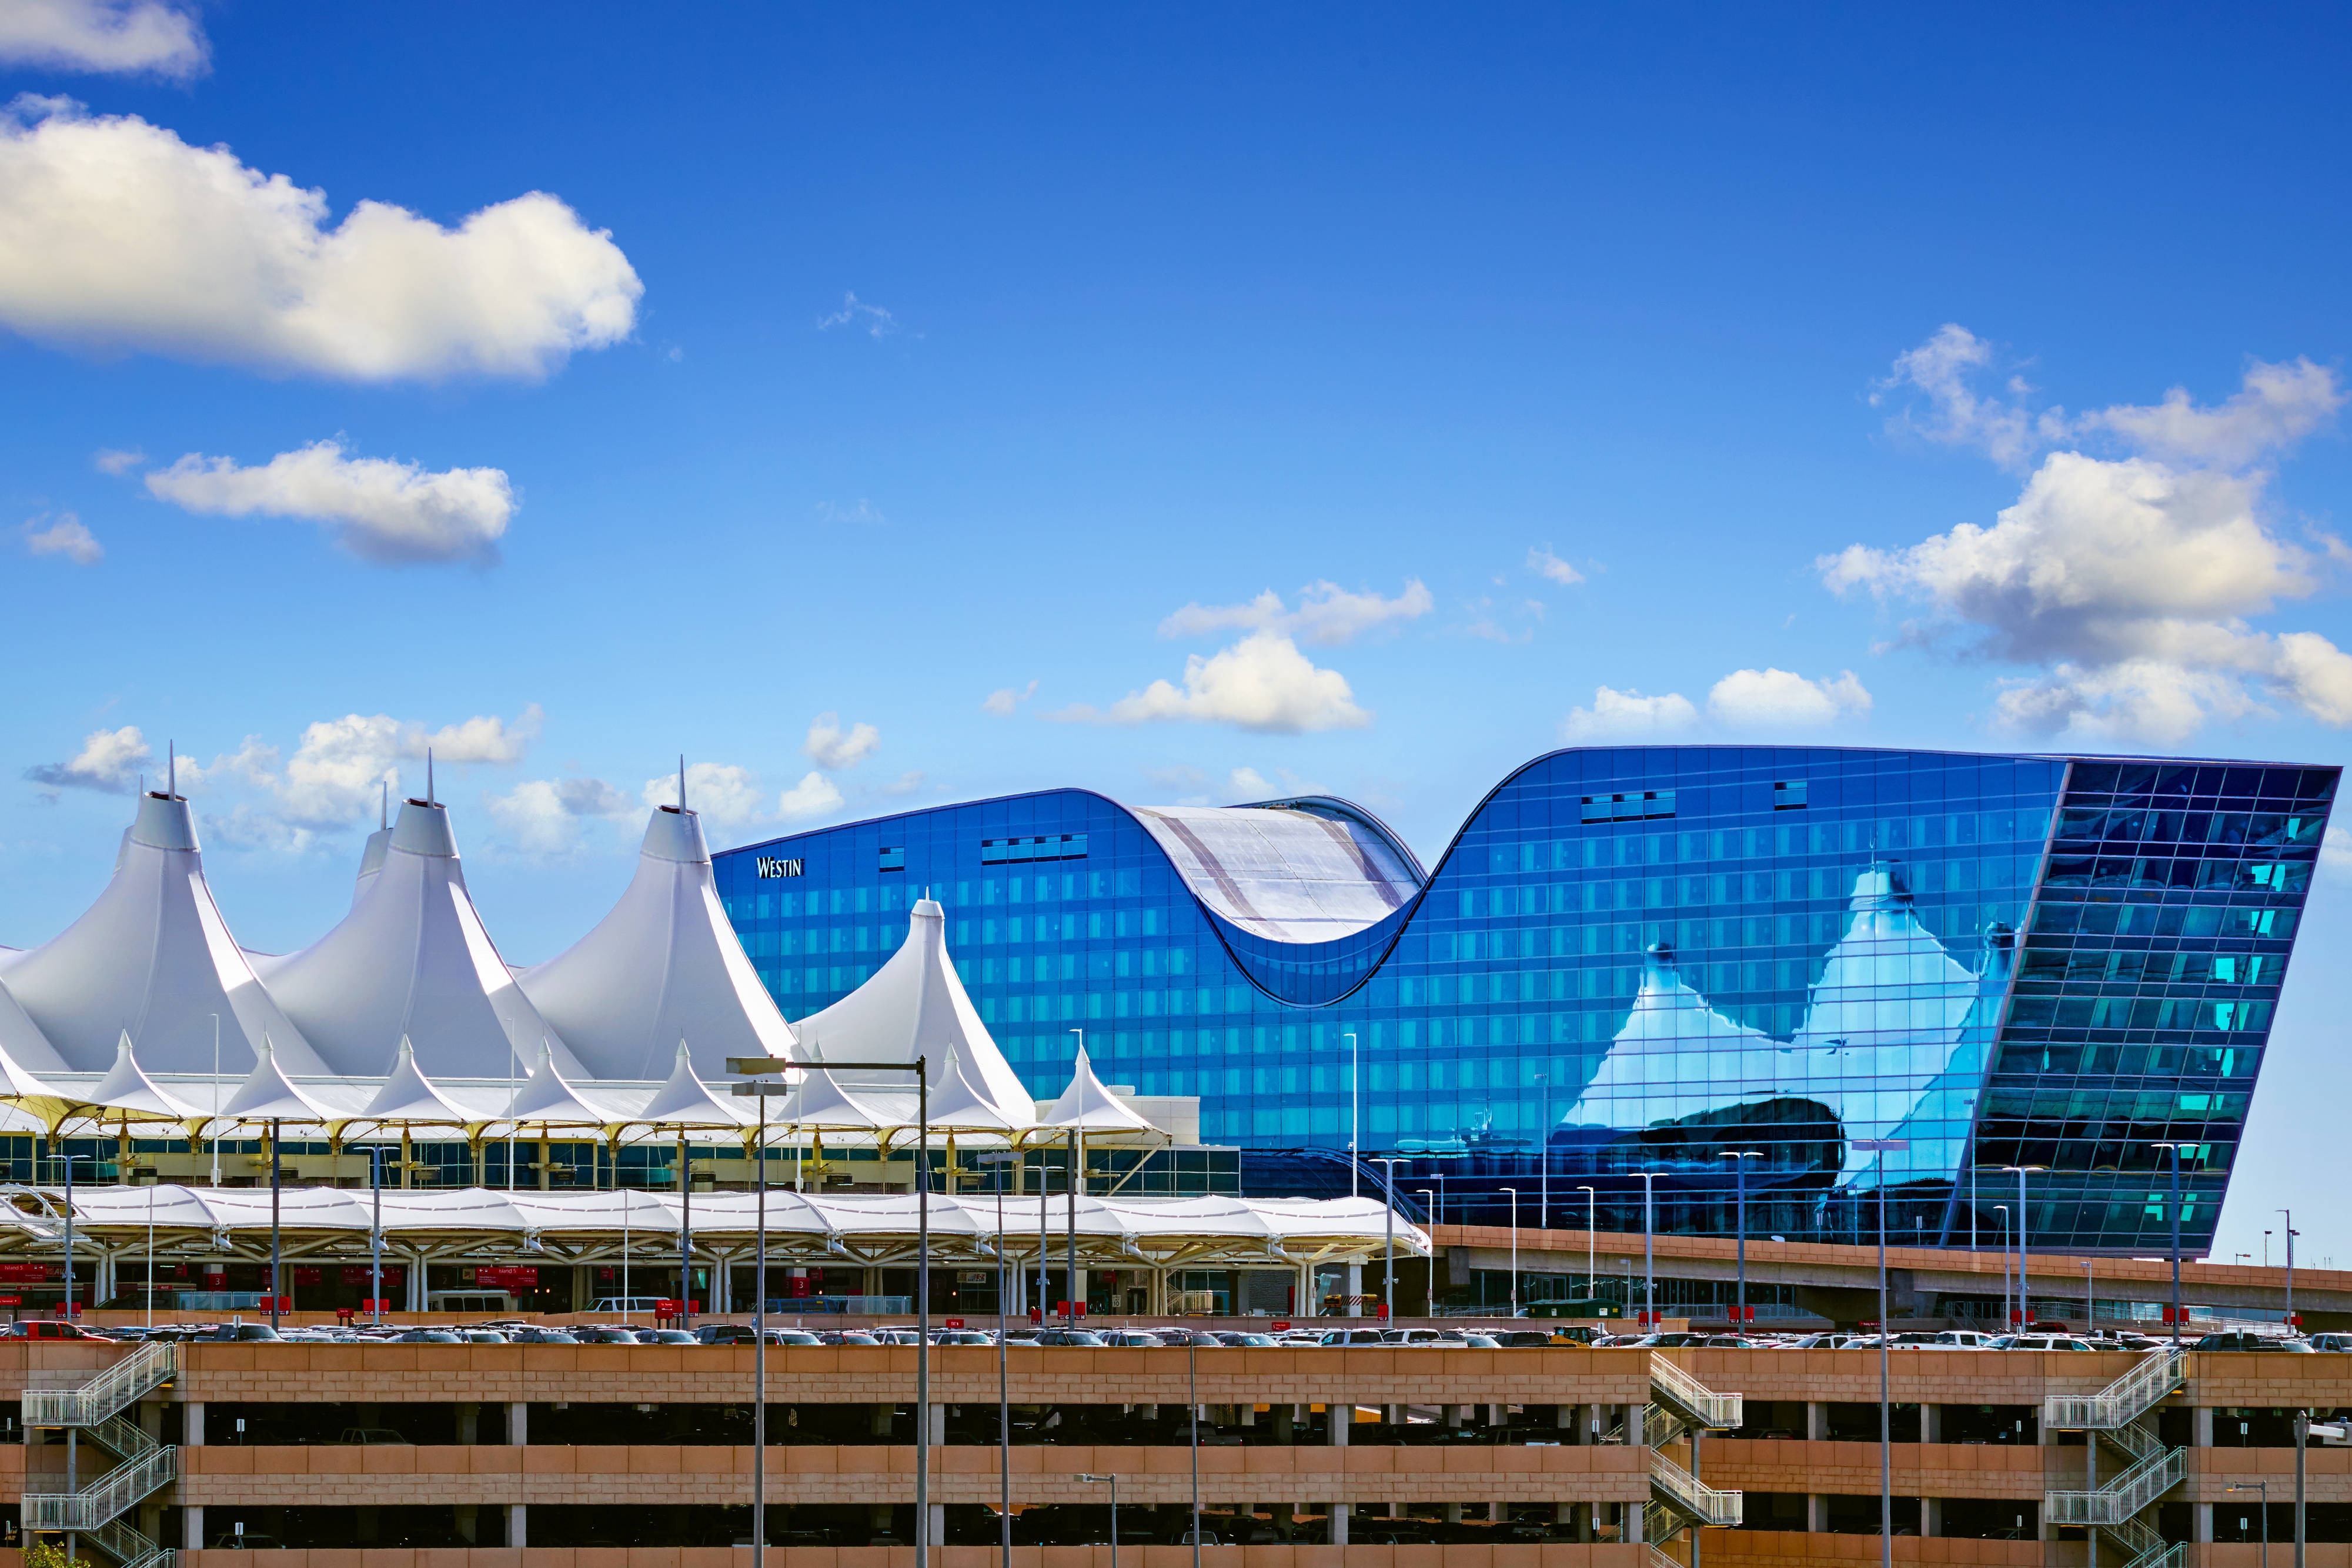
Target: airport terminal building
{"type": "Point", "coordinates": [1635, 970]}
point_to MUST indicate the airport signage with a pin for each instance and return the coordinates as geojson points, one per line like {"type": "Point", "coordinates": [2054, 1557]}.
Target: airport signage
{"type": "Point", "coordinates": [769, 866]}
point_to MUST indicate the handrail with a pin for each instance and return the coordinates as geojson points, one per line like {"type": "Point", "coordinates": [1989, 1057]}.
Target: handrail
{"type": "Point", "coordinates": [131, 1549]}
{"type": "Point", "coordinates": [2122, 1401]}
{"type": "Point", "coordinates": [1703, 1406]}
{"type": "Point", "coordinates": [2120, 1499]}
{"type": "Point", "coordinates": [147, 1368]}
{"type": "Point", "coordinates": [1683, 1492]}
{"type": "Point", "coordinates": [105, 1498]}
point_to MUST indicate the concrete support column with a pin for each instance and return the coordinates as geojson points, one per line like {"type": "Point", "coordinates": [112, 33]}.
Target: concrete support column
{"type": "Point", "coordinates": [1494, 1414]}
{"type": "Point", "coordinates": [2201, 1522]}
{"type": "Point", "coordinates": [1285, 1422]}
{"type": "Point", "coordinates": [192, 1424]}
{"type": "Point", "coordinates": [1817, 1422]}
{"type": "Point", "coordinates": [1931, 1423]}
{"type": "Point", "coordinates": [469, 1422]}
{"type": "Point", "coordinates": [1630, 1532]}
{"type": "Point", "coordinates": [583, 1287]}
{"type": "Point", "coordinates": [1339, 1419]}
{"type": "Point", "coordinates": [1078, 1288]}
{"type": "Point", "coordinates": [2200, 1424]}
{"type": "Point", "coordinates": [518, 1526]}
{"type": "Point", "coordinates": [1817, 1514]}
{"type": "Point", "coordinates": [938, 1524]}
{"type": "Point", "coordinates": [1353, 1290]}
{"type": "Point", "coordinates": [1931, 1516]}
{"type": "Point", "coordinates": [1633, 1438]}
{"type": "Point", "coordinates": [414, 1296]}
{"type": "Point", "coordinates": [1453, 1513]}
{"type": "Point", "coordinates": [883, 1416]}
{"type": "Point", "coordinates": [938, 1425]}
{"type": "Point", "coordinates": [191, 1527]}
{"type": "Point", "coordinates": [518, 1428]}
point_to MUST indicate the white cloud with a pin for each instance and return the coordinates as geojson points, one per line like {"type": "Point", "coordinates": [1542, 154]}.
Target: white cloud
{"type": "Point", "coordinates": [67, 536]}
{"type": "Point", "coordinates": [542, 816]}
{"type": "Point", "coordinates": [117, 461]}
{"type": "Point", "coordinates": [254, 764]}
{"type": "Point", "coordinates": [335, 774]}
{"type": "Point", "coordinates": [722, 793]}
{"type": "Point", "coordinates": [1327, 615]}
{"type": "Point", "coordinates": [109, 762]}
{"type": "Point", "coordinates": [122, 36]}
{"type": "Point", "coordinates": [1957, 415]}
{"type": "Point", "coordinates": [813, 796]}
{"type": "Point", "coordinates": [117, 236]}
{"type": "Point", "coordinates": [1628, 715]}
{"type": "Point", "coordinates": [1261, 682]}
{"type": "Point", "coordinates": [1005, 700]}
{"type": "Point", "coordinates": [1248, 784]}
{"type": "Point", "coordinates": [1543, 563]}
{"type": "Point", "coordinates": [854, 313]}
{"type": "Point", "coordinates": [862, 512]}
{"type": "Point", "coordinates": [906, 783]}
{"type": "Point", "coordinates": [2127, 583]}
{"type": "Point", "coordinates": [1781, 699]}
{"type": "Point", "coordinates": [390, 513]}
{"type": "Point", "coordinates": [833, 748]}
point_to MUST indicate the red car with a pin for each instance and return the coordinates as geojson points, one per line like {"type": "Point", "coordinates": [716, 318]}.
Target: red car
{"type": "Point", "coordinates": [45, 1328]}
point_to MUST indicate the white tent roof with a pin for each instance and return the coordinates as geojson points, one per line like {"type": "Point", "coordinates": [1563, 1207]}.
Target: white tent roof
{"type": "Point", "coordinates": [409, 1096]}
{"type": "Point", "coordinates": [151, 958]}
{"type": "Point", "coordinates": [412, 959]}
{"type": "Point", "coordinates": [1088, 1107]}
{"type": "Point", "coordinates": [1272, 1228]}
{"type": "Point", "coordinates": [915, 1005]}
{"type": "Point", "coordinates": [685, 1101]}
{"type": "Point", "coordinates": [662, 966]}
{"type": "Point", "coordinates": [268, 1094]}
{"type": "Point", "coordinates": [546, 1099]}
{"type": "Point", "coordinates": [126, 1088]}
{"type": "Point", "coordinates": [823, 1104]}
{"type": "Point", "coordinates": [956, 1106]}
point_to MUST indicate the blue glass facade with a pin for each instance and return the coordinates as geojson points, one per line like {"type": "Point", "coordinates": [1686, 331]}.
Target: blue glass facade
{"type": "Point", "coordinates": [1642, 961]}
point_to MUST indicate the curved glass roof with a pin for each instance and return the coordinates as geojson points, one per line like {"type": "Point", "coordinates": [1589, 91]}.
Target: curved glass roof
{"type": "Point", "coordinates": [1307, 871]}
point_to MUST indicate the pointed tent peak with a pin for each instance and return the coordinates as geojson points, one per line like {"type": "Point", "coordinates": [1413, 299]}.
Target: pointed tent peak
{"type": "Point", "coordinates": [408, 1095]}
{"type": "Point", "coordinates": [547, 1097]}
{"type": "Point", "coordinates": [1088, 1107]}
{"type": "Point", "coordinates": [15, 1084]}
{"type": "Point", "coordinates": [379, 844]}
{"type": "Point", "coordinates": [268, 1094]}
{"type": "Point", "coordinates": [674, 834]}
{"type": "Point", "coordinates": [163, 823]}
{"type": "Point", "coordinates": [423, 829]}
{"type": "Point", "coordinates": [958, 1106]}
{"type": "Point", "coordinates": [685, 1101]}
{"type": "Point", "coordinates": [127, 1087]}
{"type": "Point", "coordinates": [1878, 886]}
{"type": "Point", "coordinates": [821, 1104]}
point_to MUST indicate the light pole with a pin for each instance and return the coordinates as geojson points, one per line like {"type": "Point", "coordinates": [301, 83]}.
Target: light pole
{"type": "Point", "coordinates": [275, 1252]}
{"type": "Point", "coordinates": [1388, 1244]}
{"type": "Point", "coordinates": [1114, 1511]}
{"type": "Point", "coordinates": [1514, 1250]}
{"type": "Point", "coordinates": [2291, 1234]}
{"type": "Point", "coordinates": [2003, 1210]}
{"type": "Point", "coordinates": [2176, 1241]}
{"type": "Point", "coordinates": [2025, 1297]}
{"type": "Point", "coordinates": [2090, 1301]}
{"type": "Point", "coordinates": [1882, 1147]}
{"type": "Point", "coordinates": [1543, 1156]}
{"type": "Point", "coordinates": [1000, 1159]}
{"type": "Point", "coordinates": [1649, 1248]}
{"type": "Point", "coordinates": [757, 1087]}
{"type": "Point", "coordinates": [2264, 1489]}
{"type": "Point", "coordinates": [1355, 1120]}
{"type": "Point", "coordinates": [1592, 1240]}
{"type": "Point", "coordinates": [375, 1228]}
{"type": "Point", "coordinates": [1740, 1159]}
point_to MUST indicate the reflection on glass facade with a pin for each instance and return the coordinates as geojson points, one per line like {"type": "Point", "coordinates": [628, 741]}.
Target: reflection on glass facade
{"type": "Point", "coordinates": [1640, 962]}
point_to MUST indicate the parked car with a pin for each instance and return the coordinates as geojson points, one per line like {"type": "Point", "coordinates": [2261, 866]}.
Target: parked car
{"type": "Point", "coordinates": [44, 1328]}
{"type": "Point", "coordinates": [2243, 1341]}
{"type": "Point", "coordinates": [602, 1334]}
{"type": "Point", "coordinates": [1069, 1337]}
{"type": "Point", "coordinates": [1350, 1336]}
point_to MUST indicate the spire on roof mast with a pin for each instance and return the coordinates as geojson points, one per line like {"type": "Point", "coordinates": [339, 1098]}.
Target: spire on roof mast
{"type": "Point", "coordinates": [681, 781]}
{"type": "Point", "coordinates": [171, 769]}
{"type": "Point", "coordinates": [383, 803]}
{"type": "Point", "coordinates": [428, 776]}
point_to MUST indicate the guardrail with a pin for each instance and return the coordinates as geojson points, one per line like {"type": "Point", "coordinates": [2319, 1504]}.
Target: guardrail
{"type": "Point", "coordinates": [131, 1549]}
{"type": "Point", "coordinates": [105, 1498]}
{"type": "Point", "coordinates": [145, 1369]}
{"type": "Point", "coordinates": [2115, 1503]}
{"type": "Point", "coordinates": [2125, 1400]}
{"type": "Point", "coordinates": [1700, 1404]}
{"type": "Point", "coordinates": [1682, 1491]}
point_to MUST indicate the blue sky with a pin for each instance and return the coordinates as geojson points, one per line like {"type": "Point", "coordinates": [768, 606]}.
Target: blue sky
{"type": "Point", "coordinates": [1545, 364]}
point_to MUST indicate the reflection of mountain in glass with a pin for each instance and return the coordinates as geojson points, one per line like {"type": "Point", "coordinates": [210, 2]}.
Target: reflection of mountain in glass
{"type": "Point", "coordinates": [1888, 1041]}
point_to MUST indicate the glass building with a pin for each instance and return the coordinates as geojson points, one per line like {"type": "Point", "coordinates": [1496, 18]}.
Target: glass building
{"type": "Point", "coordinates": [1637, 970]}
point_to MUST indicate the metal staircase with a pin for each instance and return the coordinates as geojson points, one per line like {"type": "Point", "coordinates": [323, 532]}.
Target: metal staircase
{"type": "Point", "coordinates": [1680, 1405]}
{"type": "Point", "coordinates": [144, 1467]}
{"type": "Point", "coordinates": [2119, 1413]}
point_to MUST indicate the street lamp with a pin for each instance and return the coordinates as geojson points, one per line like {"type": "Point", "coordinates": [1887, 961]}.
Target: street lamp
{"type": "Point", "coordinates": [757, 1087]}
{"type": "Point", "coordinates": [2025, 1297]}
{"type": "Point", "coordinates": [2264, 1488]}
{"type": "Point", "coordinates": [1114, 1512]}
{"type": "Point", "coordinates": [1592, 1239]}
{"type": "Point", "coordinates": [1649, 1248]}
{"type": "Point", "coordinates": [1882, 1147]}
{"type": "Point", "coordinates": [2176, 1241]}
{"type": "Point", "coordinates": [2003, 1210]}
{"type": "Point", "coordinates": [1740, 1158]}
{"type": "Point", "coordinates": [1355, 1108]}
{"type": "Point", "coordinates": [1543, 1156]}
{"type": "Point", "coordinates": [2291, 1234]}
{"type": "Point", "coordinates": [1515, 1249]}
{"type": "Point", "coordinates": [1000, 1159]}
{"type": "Point", "coordinates": [1388, 1245]}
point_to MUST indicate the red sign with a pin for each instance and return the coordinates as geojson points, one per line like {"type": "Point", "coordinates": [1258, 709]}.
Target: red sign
{"type": "Point", "coordinates": [12, 1300]}
{"type": "Point", "coordinates": [357, 1274]}
{"type": "Point", "coordinates": [955, 1323]}
{"type": "Point", "coordinates": [1036, 1315]}
{"type": "Point", "coordinates": [509, 1276]}
{"type": "Point", "coordinates": [309, 1276]}
{"type": "Point", "coordinates": [1281, 1325]}
{"type": "Point", "coordinates": [797, 1286]}
{"type": "Point", "coordinates": [1381, 1311]}
{"type": "Point", "coordinates": [375, 1304]}
{"type": "Point", "coordinates": [29, 1273]}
